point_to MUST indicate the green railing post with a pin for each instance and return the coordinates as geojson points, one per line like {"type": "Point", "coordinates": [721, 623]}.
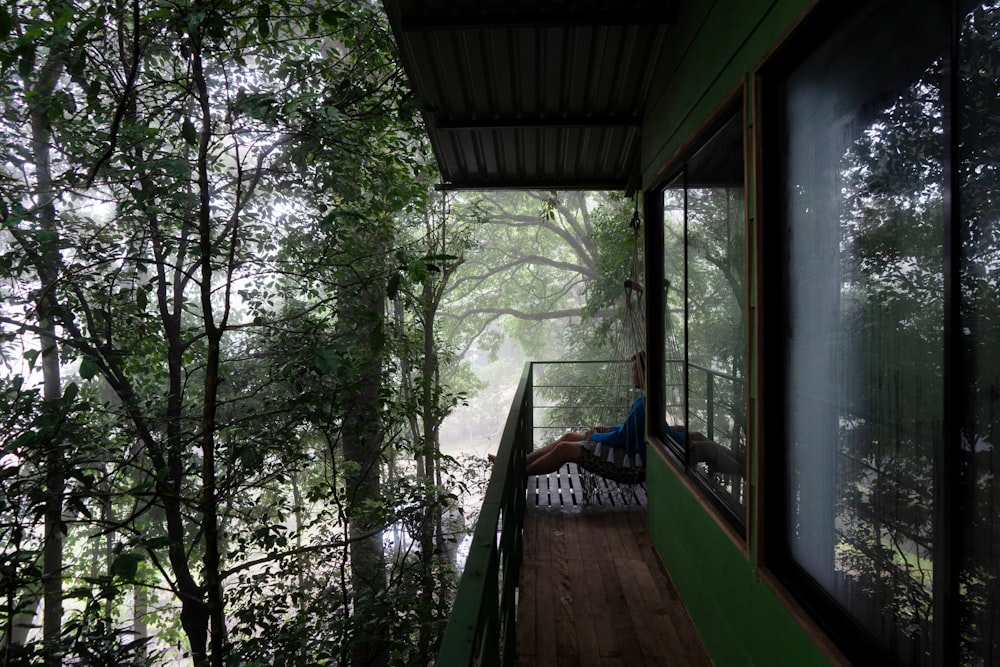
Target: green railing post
{"type": "Point", "coordinates": [710, 399]}
{"type": "Point", "coordinates": [481, 629]}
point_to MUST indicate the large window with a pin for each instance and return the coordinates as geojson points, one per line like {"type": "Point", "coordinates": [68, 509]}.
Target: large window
{"type": "Point", "coordinates": [704, 222]}
{"type": "Point", "coordinates": [884, 393]}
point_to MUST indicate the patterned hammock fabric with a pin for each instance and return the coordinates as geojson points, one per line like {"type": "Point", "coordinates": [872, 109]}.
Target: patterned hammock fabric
{"type": "Point", "coordinates": [615, 465]}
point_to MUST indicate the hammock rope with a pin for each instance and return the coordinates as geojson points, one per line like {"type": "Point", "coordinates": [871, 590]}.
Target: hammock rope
{"type": "Point", "coordinates": [618, 393]}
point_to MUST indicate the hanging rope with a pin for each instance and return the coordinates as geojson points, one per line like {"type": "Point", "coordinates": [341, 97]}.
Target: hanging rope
{"type": "Point", "coordinates": [625, 467]}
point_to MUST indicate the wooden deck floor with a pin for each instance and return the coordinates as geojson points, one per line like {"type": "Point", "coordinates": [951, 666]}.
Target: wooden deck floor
{"type": "Point", "coordinates": [593, 591]}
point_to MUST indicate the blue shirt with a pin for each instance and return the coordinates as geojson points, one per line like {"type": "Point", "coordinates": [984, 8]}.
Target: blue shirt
{"type": "Point", "coordinates": [630, 434]}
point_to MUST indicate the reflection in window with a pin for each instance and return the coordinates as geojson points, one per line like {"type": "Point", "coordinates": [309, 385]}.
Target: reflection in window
{"type": "Point", "coordinates": [979, 205]}
{"type": "Point", "coordinates": [864, 364]}
{"type": "Point", "coordinates": [704, 261]}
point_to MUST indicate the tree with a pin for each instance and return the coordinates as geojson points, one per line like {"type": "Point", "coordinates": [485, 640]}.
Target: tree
{"type": "Point", "coordinates": [534, 259]}
{"type": "Point", "coordinates": [170, 148]}
{"type": "Point", "coordinates": [442, 238]}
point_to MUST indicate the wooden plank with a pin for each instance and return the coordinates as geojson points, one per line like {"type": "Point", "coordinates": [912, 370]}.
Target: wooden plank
{"type": "Point", "coordinates": [545, 626]}
{"type": "Point", "coordinates": [657, 638]}
{"type": "Point", "coordinates": [584, 618]}
{"type": "Point", "coordinates": [562, 599]}
{"type": "Point", "coordinates": [527, 600]}
{"type": "Point", "coordinates": [691, 645]}
{"type": "Point", "coordinates": [600, 491]}
{"type": "Point", "coordinates": [565, 621]}
{"type": "Point", "coordinates": [599, 611]}
{"type": "Point", "coordinates": [640, 533]}
{"type": "Point", "coordinates": [573, 527]}
{"type": "Point", "coordinates": [562, 479]}
{"type": "Point", "coordinates": [632, 533]}
{"type": "Point", "coordinates": [594, 593]}
{"type": "Point", "coordinates": [573, 473]}
{"type": "Point", "coordinates": [619, 541]}
{"type": "Point", "coordinates": [640, 495]}
{"type": "Point", "coordinates": [625, 633]}
{"type": "Point", "coordinates": [596, 537]}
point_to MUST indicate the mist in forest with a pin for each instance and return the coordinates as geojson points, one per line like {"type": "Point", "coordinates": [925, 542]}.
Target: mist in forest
{"type": "Point", "coordinates": [475, 429]}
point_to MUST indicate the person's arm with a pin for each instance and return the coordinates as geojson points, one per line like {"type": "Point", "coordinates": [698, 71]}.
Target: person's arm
{"type": "Point", "coordinates": [612, 436]}
{"type": "Point", "coordinates": [630, 433]}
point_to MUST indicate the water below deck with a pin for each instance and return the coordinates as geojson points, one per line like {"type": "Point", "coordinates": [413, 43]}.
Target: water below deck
{"type": "Point", "coordinates": [593, 591]}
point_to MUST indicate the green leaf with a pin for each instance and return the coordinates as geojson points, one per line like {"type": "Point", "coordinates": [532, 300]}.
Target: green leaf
{"type": "Point", "coordinates": [141, 489]}
{"type": "Point", "coordinates": [263, 20]}
{"type": "Point", "coordinates": [331, 17]}
{"type": "Point", "coordinates": [189, 132]}
{"type": "Point", "coordinates": [89, 368]}
{"type": "Point", "coordinates": [153, 543]}
{"type": "Point", "coordinates": [328, 360]}
{"type": "Point", "coordinates": [126, 565]}
{"type": "Point", "coordinates": [27, 62]}
{"type": "Point", "coordinates": [93, 91]}
{"type": "Point", "coordinates": [393, 287]}
{"type": "Point", "coordinates": [177, 167]}
{"type": "Point", "coordinates": [70, 394]}
{"type": "Point", "coordinates": [6, 22]}
{"type": "Point", "coordinates": [31, 356]}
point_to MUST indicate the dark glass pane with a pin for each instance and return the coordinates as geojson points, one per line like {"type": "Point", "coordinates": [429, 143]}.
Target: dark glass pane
{"type": "Point", "coordinates": [704, 217]}
{"type": "Point", "coordinates": [863, 373]}
{"type": "Point", "coordinates": [716, 324]}
{"type": "Point", "coordinates": [979, 208]}
{"type": "Point", "coordinates": [674, 296]}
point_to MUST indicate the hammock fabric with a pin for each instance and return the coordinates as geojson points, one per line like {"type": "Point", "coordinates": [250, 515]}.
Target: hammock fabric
{"type": "Point", "coordinates": [616, 472]}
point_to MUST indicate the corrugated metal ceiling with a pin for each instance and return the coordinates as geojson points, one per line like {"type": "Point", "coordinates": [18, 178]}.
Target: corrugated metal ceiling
{"type": "Point", "coordinates": [540, 95]}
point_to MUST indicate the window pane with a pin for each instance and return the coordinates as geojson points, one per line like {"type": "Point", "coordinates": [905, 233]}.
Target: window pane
{"type": "Point", "coordinates": [979, 171]}
{"type": "Point", "coordinates": [704, 217]}
{"type": "Point", "coordinates": [673, 272]}
{"type": "Point", "coordinates": [716, 324]}
{"type": "Point", "coordinates": [863, 372]}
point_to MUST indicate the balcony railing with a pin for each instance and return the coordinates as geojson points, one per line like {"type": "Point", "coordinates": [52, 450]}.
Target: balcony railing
{"type": "Point", "coordinates": [481, 629]}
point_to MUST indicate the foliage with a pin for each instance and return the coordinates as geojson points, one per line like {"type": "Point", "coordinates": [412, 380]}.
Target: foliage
{"type": "Point", "coordinates": [205, 190]}
{"type": "Point", "coordinates": [533, 260]}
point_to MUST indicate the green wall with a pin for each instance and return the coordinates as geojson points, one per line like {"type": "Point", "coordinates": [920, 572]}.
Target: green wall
{"type": "Point", "coordinates": [712, 50]}
{"type": "Point", "coordinates": [739, 619]}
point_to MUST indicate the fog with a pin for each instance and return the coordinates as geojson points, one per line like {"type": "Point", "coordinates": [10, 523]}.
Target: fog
{"type": "Point", "coordinates": [475, 429]}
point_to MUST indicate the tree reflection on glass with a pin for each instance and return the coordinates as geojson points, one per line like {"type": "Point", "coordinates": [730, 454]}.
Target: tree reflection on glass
{"type": "Point", "coordinates": [864, 371]}
{"type": "Point", "coordinates": [979, 330]}
{"type": "Point", "coordinates": [890, 359]}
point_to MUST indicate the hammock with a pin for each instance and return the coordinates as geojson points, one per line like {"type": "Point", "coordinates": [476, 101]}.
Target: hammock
{"type": "Point", "coordinates": [618, 393]}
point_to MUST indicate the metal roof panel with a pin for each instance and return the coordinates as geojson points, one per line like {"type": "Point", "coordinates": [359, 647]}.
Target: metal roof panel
{"type": "Point", "coordinates": [532, 94]}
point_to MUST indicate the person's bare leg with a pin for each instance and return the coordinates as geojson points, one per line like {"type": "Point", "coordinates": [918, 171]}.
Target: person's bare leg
{"type": "Point", "coordinates": [718, 458]}
{"type": "Point", "coordinates": [554, 457]}
{"type": "Point", "coordinates": [570, 436]}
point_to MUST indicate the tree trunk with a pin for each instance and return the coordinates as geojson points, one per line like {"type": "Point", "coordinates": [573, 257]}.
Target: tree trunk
{"type": "Point", "coordinates": [140, 631]}
{"type": "Point", "coordinates": [429, 451]}
{"type": "Point", "coordinates": [48, 272]}
{"type": "Point", "coordinates": [361, 436]}
{"type": "Point", "coordinates": [213, 334]}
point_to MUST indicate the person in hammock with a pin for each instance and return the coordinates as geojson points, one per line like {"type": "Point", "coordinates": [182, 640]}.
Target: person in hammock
{"type": "Point", "coordinates": [621, 450]}
{"type": "Point", "coordinates": [622, 446]}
